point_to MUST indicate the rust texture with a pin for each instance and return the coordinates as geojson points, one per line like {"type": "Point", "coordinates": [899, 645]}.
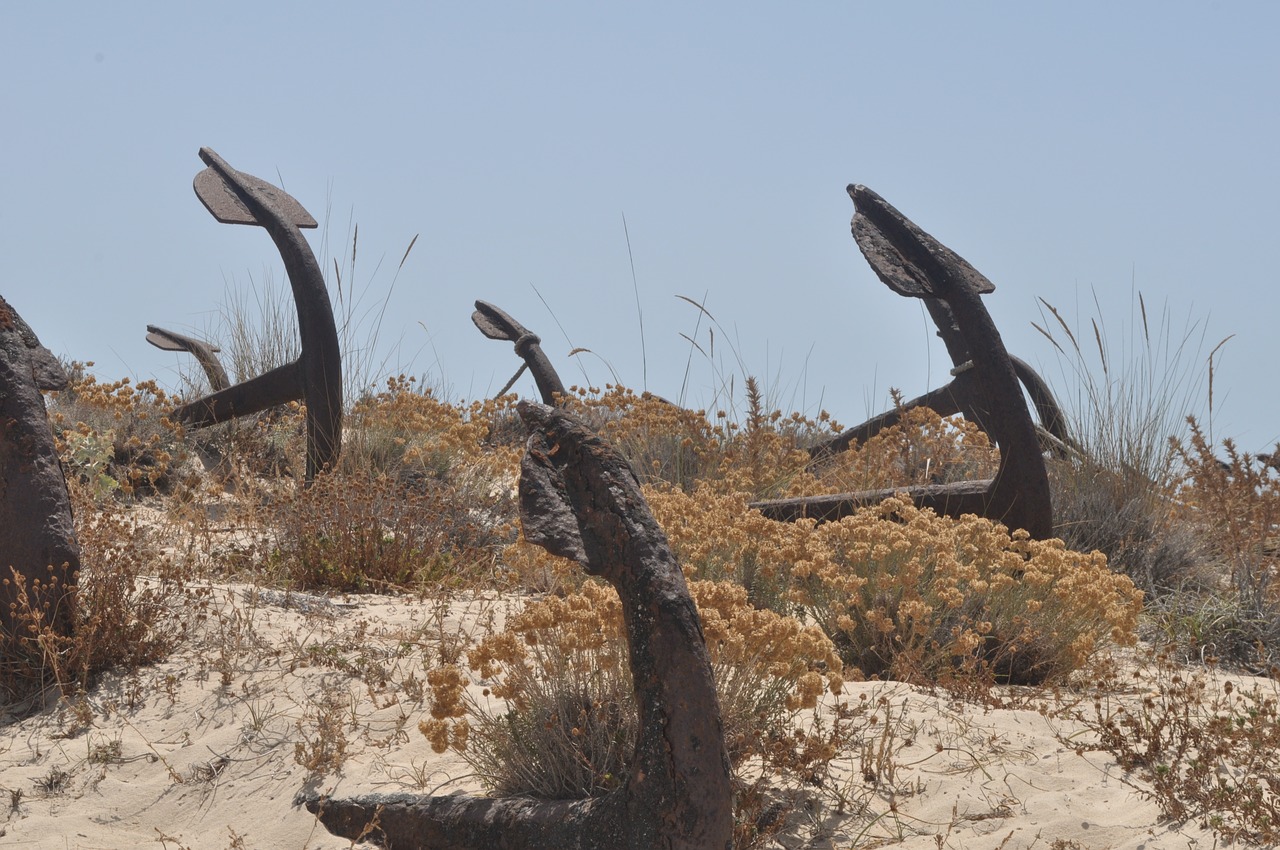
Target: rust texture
{"type": "Point", "coordinates": [497, 324]}
{"type": "Point", "coordinates": [986, 389]}
{"type": "Point", "coordinates": [37, 537]}
{"type": "Point", "coordinates": [234, 197]}
{"type": "Point", "coordinates": [579, 499]}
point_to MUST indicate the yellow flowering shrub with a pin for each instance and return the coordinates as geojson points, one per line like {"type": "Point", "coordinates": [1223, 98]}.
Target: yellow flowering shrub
{"type": "Point", "coordinates": [716, 537]}
{"type": "Point", "coordinates": [672, 447]}
{"type": "Point", "coordinates": [662, 441]}
{"type": "Point", "coordinates": [115, 436]}
{"type": "Point", "coordinates": [406, 429]}
{"type": "Point", "coordinates": [910, 595]}
{"type": "Point", "coordinates": [922, 448]}
{"type": "Point", "coordinates": [907, 594]}
{"type": "Point", "coordinates": [566, 725]}
{"type": "Point", "coordinates": [904, 593]}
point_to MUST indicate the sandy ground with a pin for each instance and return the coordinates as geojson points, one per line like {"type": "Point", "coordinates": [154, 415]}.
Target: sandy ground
{"type": "Point", "coordinates": [203, 751]}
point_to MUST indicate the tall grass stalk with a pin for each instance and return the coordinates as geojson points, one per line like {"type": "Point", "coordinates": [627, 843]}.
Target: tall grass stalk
{"type": "Point", "coordinates": [359, 316]}
{"type": "Point", "coordinates": [1126, 401]}
{"type": "Point", "coordinates": [724, 380]}
{"type": "Point", "coordinates": [635, 286]}
{"type": "Point", "coordinates": [258, 329]}
{"type": "Point", "coordinates": [725, 404]}
{"type": "Point", "coordinates": [575, 350]}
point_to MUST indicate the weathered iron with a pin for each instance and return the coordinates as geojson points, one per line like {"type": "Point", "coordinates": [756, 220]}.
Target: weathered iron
{"type": "Point", "coordinates": [206, 354]}
{"type": "Point", "coordinates": [985, 389]}
{"type": "Point", "coordinates": [234, 197]}
{"type": "Point", "coordinates": [39, 554]}
{"type": "Point", "coordinates": [579, 499]}
{"type": "Point", "coordinates": [497, 324]}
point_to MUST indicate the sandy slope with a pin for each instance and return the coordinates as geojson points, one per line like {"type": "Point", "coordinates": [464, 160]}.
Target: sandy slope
{"type": "Point", "coordinates": [202, 751]}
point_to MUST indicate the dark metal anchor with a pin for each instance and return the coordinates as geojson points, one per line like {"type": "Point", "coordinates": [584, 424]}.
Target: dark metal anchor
{"type": "Point", "coordinates": [986, 387]}
{"type": "Point", "coordinates": [206, 354]}
{"type": "Point", "coordinates": [234, 197]}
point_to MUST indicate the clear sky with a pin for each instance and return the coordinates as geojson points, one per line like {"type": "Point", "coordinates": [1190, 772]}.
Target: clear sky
{"type": "Point", "coordinates": [1065, 149]}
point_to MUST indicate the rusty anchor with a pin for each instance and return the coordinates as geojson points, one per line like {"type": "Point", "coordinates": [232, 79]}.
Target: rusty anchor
{"type": "Point", "coordinates": [206, 354]}
{"type": "Point", "coordinates": [986, 386]}
{"type": "Point", "coordinates": [233, 197]}
{"type": "Point", "coordinates": [498, 324]}
{"type": "Point", "coordinates": [580, 499]}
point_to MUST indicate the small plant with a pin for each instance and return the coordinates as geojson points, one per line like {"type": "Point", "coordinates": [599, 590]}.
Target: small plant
{"type": "Point", "coordinates": [123, 612]}
{"type": "Point", "coordinates": [90, 455]}
{"type": "Point", "coordinates": [364, 533]}
{"type": "Point", "coordinates": [165, 839]}
{"type": "Point", "coordinates": [209, 771]}
{"type": "Point", "coordinates": [419, 499]}
{"type": "Point", "coordinates": [323, 748]}
{"type": "Point", "coordinates": [105, 752]}
{"type": "Point", "coordinates": [53, 782]}
{"type": "Point", "coordinates": [1207, 747]}
{"type": "Point", "coordinates": [116, 435]}
{"type": "Point", "coordinates": [1234, 505]}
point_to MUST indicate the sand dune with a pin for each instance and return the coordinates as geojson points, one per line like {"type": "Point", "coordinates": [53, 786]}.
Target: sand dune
{"type": "Point", "coordinates": [207, 750]}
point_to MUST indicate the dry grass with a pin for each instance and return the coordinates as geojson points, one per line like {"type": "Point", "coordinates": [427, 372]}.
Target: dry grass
{"type": "Point", "coordinates": [1208, 748]}
{"type": "Point", "coordinates": [1129, 392]}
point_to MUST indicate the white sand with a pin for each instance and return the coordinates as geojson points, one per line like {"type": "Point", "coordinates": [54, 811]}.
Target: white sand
{"type": "Point", "coordinates": [180, 757]}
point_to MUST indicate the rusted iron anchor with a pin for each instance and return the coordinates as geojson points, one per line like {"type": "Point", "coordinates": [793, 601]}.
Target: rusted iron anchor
{"type": "Point", "coordinates": [497, 324]}
{"type": "Point", "coordinates": [580, 499]}
{"type": "Point", "coordinates": [206, 353]}
{"type": "Point", "coordinates": [986, 388]}
{"type": "Point", "coordinates": [234, 197]}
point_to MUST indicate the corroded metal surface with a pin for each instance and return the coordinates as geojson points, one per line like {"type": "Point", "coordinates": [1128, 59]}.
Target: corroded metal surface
{"type": "Point", "coordinates": [39, 554]}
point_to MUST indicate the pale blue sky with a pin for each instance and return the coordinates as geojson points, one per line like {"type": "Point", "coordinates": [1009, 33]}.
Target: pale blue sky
{"type": "Point", "coordinates": [1061, 148]}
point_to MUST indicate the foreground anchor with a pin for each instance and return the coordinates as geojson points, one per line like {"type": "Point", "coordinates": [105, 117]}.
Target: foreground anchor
{"type": "Point", "coordinates": [986, 388]}
{"type": "Point", "coordinates": [580, 500]}
{"type": "Point", "coordinates": [234, 197]}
